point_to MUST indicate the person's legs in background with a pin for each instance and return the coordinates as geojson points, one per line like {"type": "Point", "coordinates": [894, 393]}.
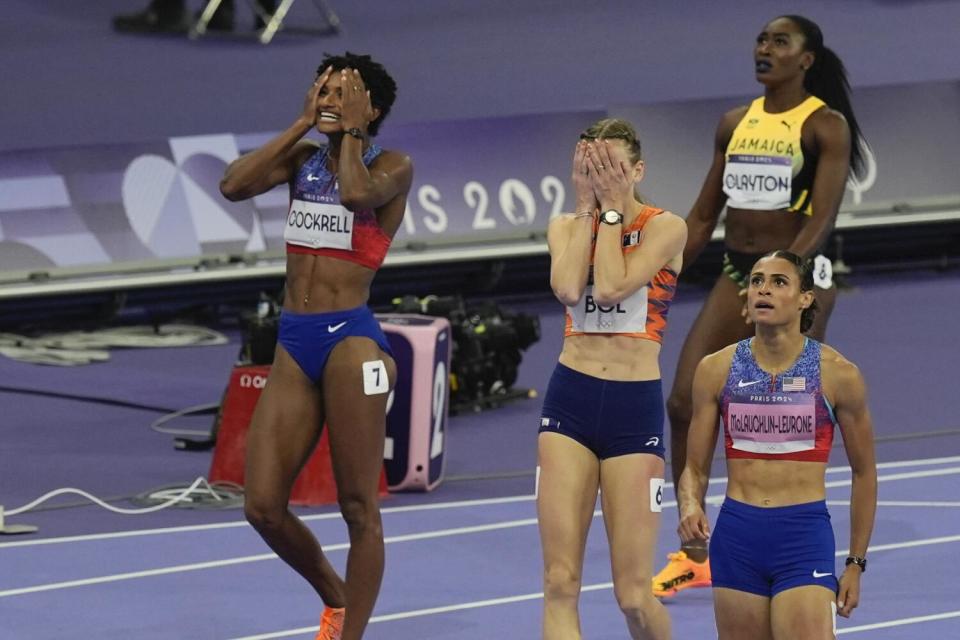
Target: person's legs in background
{"type": "Point", "coordinates": [170, 16]}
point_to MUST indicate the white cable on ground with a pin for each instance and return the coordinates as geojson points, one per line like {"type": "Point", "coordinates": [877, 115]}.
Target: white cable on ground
{"type": "Point", "coordinates": [157, 425]}
{"type": "Point", "coordinates": [178, 498]}
{"type": "Point", "coordinates": [165, 335]}
{"type": "Point", "coordinates": [83, 347]}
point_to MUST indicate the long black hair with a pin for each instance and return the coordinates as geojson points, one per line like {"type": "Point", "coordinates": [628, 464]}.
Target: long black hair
{"type": "Point", "coordinates": [805, 274]}
{"type": "Point", "coordinates": [827, 79]}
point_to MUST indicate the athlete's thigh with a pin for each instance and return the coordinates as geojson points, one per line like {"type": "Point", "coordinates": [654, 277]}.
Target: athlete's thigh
{"type": "Point", "coordinates": [356, 381]}
{"type": "Point", "coordinates": [720, 323]}
{"type": "Point", "coordinates": [741, 615]}
{"type": "Point", "coordinates": [284, 429]}
{"type": "Point", "coordinates": [566, 497]}
{"type": "Point", "coordinates": [804, 612]}
{"type": "Point", "coordinates": [631, 490]}
{"type": "Point", "coordinates": [826, 299]}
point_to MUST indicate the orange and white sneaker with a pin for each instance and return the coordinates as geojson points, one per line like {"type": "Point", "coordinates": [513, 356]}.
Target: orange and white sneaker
{"type": "Point", "coordinates": [681, 573]}
{"type": "Point", "coordinates": [331, 624]}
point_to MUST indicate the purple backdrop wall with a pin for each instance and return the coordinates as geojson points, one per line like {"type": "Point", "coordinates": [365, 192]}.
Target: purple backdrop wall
{"type": "Point", "coordinates": [69, 79]}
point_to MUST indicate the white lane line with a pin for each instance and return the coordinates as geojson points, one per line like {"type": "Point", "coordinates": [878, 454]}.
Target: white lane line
{"type": "Point", "coordinates": [900, 622]}
{"type": "Point", "coordinates": [920, 462]}
{"type": "Point", "coordinates": [416, 613]}
{"type": "Point", "coordinates": [609, 585]}
{"type": "Point", "coordinates": [907, 475]}
{"type": "Point", "coordinates": [897, 503]}
{"type": "Point", "coordinates": [923, 542]}
{"type": "Point", "coordinates": [426, 535]}
{"type": "Point", "coordinates": [333, 515]}
{"type": "Point", "coordinates": [457, 531]}
{"type": "Point", "coordinates": [197, 566]}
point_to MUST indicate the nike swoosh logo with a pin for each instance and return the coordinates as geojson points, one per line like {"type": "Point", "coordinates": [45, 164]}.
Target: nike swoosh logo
{"type": "Point", "coordinates": [312, 178]}
{"type": "Point", "coordinates": [742, 384]}
{"type": "Point", "coordinates": [336, 327]}
{"type": "Point", "coordinates": [817, 574]}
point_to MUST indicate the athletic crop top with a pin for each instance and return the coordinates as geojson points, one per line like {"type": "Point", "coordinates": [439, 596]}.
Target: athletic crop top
{"type": "Point", "coordinates": [767, 166]}
{"type": "Point", "coordinates": [643, 314]}
{"type": "Point", "coordinates": [319, 225]}
{"type": "Point", "coordinates": [781, 417]}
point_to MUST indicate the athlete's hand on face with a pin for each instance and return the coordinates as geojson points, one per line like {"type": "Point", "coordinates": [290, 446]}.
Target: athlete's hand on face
{"type": "Point", "coordinates": [745, 311]}
{"type": "Point", "coordinates": [848, 597]}
{"type": "Point", "coordinates": [694, 525]}
{"type": "Point", "coordinates": [583, 188]}
{"type": "Point", "coordinates": [611, 178]}
{"type": "Point", "coordinates": [311, 110]}
{"type": "Point", "coordinates": [356, 111]}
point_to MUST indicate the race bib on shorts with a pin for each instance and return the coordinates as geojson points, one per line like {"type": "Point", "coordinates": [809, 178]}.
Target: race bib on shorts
{"type": "Point", "coordinates": [321, 225]}
{"type": "Point", "coordinates": [758, 182]}
{"type": "Point", "coordinates": [822, 272]}
{"type": "Point", "coordinates": [656, 495]}
{"type": "Point", "coordinates": [772, 422]}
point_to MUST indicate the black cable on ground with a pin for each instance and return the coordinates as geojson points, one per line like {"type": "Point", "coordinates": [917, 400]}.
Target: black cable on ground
{"type": "Point", "coordinates": [80, 398]}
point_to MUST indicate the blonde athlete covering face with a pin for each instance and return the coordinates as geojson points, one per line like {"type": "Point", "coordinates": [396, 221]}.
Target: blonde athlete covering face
{"type": "Point", "coordinates": [614, 265]}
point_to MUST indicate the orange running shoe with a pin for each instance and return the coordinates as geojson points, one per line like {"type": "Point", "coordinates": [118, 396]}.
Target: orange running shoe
{"type": "Point", "coordinates": [331, 624]}
{"type": "Point", "coordinates": [681, 573]}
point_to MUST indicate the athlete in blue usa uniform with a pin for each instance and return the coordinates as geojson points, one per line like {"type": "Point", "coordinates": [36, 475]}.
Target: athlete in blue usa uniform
{"type": "Point", "coordinates": [780, 396]}
{"type": "Point", "coordinates": [333, 364]}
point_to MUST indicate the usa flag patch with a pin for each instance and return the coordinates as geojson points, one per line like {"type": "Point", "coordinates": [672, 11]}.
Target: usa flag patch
{"type": "Point", "coordinates": [797, 383]}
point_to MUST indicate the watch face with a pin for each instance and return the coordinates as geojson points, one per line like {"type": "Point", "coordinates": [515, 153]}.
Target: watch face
{"type": "Point", "coordinates": [610, 216]}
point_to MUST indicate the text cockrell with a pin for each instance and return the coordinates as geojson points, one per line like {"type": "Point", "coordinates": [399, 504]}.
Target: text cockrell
{"type": "Point", "coordinates": [318, 222]}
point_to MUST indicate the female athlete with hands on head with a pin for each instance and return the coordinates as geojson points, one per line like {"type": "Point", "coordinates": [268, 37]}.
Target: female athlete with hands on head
{"type": "Point", "coordinates": [332, 365]}
{"type": "Point", "coordinates": [614, 265]}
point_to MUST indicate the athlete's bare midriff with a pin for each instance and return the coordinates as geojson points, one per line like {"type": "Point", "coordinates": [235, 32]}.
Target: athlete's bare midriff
{"type": "Point", "coordinates": [776, 483]}
{"type": "Point", "coordinates": [318, 284]}
{"type": "Point", "coordinates": [750, 231]}
{"type": "Point", "coordinates": [612, 357]}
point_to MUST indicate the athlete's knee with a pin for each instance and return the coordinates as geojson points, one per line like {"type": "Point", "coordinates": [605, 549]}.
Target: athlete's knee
{"type": "Point", "coordinates": [264, 515]}
{"type": "Point", "coordinates": [561, 582]}
{"type": "Point", "coordinates": [815, 627]}
{"type": "Point", "coordinates": [636, 601]}
{"type": "Point", "coordinates": [362, 515]}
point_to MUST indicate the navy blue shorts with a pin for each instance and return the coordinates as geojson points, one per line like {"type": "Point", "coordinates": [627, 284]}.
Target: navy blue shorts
{"type": "Point", "coordinates": [768, 550]}
{"type": "Point", "coordinates": [608, 417]}
{"type": "Point", "coordinates": [310, 337]}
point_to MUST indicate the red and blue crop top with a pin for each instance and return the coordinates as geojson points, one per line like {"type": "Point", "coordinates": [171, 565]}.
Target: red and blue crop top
{"type": "Point", "coordinates": [776, 417]}
{"type": "Point", "coordinates": [318, 224]}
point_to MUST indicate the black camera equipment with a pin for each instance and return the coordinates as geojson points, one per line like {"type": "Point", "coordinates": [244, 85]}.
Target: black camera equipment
{"type": "Point", "coordinates": [259, 331]}
{"type": "Point", "coordinates": [487, 346]}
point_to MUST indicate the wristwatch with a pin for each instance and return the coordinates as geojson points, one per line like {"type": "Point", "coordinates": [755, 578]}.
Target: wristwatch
{"type": "Point", "coordinates": [857, 560]}
{"type": "Point", "coordinates": [356, 133]}
{"type": "Point", "coordinates": [611, 216]}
